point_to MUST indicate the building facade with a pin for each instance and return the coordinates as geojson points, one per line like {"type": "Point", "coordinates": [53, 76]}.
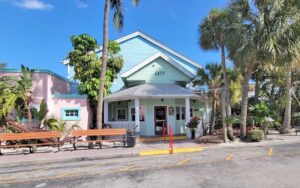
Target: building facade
{"type": "Point", "coordinates": [151, 91]}
{"type": "Point", "coordinates": [63, 102]}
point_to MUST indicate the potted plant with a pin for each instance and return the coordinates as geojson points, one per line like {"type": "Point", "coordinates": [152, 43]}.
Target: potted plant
{"type": "Point", "coordinates": [193, 125]}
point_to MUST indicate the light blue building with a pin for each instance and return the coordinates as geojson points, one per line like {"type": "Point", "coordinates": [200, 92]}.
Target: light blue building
{"type": "Point", "coordinates": [151, 90]}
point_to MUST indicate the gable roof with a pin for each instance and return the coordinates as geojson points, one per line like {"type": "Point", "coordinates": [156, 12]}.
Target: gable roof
{"type": "Point", "coordinates": [154, 57]}
{"type": "Point", "coordinates": [152, 40]}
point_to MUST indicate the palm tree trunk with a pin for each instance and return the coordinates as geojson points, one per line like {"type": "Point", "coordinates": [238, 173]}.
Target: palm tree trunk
{"type": "Point", "coordinates": [227, 93]}
{"type": "Point", "coordinates": [223, 98]}
{"type": "Point", "coordinates": [256, 88]}
{"type": "Point", "coordinates": [29, 116]}
{"type": "Point", "coordinates": [226, 82]}
{"type": "Point", "coordinates": [287, 114]}
{"type": "Point", "coordinates": [244, 104]}
{"type": "Point", "coordinates": [213, 115]}
{"type": "Point", "coordinates": [104, 65]}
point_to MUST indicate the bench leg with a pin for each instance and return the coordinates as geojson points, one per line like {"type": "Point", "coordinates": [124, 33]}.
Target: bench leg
{"type": "Point", "coordinates": [100, 144]}
{"type": "Point", "coordinates": [74, 146]}
{"type": "Point", "coordinates": [30, 150]}
{"type": "Point", "coordinates": [114, 144]}
{"type": "Point", "coordinates": [58, 145]}
{"type": "Point", "coordinates": [124, 144]}
{"type": "Point", "coordinates": [0, 152]}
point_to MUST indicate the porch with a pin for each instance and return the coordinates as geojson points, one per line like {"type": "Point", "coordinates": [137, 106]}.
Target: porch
{"type": "Point", "coordinates": [151, 107]}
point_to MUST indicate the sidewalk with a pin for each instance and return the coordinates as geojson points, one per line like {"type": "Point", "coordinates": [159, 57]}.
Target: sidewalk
{"type": "Point", "coordinates": [67, 154]}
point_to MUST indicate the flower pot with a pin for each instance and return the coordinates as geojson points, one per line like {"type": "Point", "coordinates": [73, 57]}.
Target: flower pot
{"type": "Point", "coordinates": [193, 134]}
{"type": "Point", "coordinates": [188, 132]}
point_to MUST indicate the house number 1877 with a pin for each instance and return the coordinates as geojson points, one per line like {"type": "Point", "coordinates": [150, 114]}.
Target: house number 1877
{"type": "Point", "coordinates": [159, 73]}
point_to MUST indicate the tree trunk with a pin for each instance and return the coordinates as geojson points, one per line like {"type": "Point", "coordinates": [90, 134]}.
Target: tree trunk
{"type": "Point", "coordinates": [256, 90]}
{"type": "Point", "coordinates": [223, 98]}
{"type": "Point", "coordinates": [227, 93]}
{"type": "Point", "coordinates": [226, 83]}
{"type": "Point", "coordinates": [213, 115]}
{"type": "Point", "coordinates": [104, 65]}
{"type": "Point", "coordinates": [29, 116]}
{"type": "Point", "coordinates": [287, 114]}
{"type": "Point", "coordinates": [244, 104]}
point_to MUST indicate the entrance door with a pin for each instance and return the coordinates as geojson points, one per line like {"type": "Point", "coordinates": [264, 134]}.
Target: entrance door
{"type": "Point", "coordinates": [160, 120]}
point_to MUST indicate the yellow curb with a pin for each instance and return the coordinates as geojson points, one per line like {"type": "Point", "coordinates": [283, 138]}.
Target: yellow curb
{"type": "Point", "coordinates": [270, 152]}
{"type": "Point", "coordinates": [155, 139]}
{"type": "Point", "coordinates": [166, 151]}
{"type": "Point", "coordinates": [229, 157]}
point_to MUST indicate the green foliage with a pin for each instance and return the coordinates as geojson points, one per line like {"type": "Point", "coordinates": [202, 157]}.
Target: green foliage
{"type": "Point", "coordinates": [193, 124]}
{"type": "Point", "coordinates": [58, 125]}
{"type": "Point", "coordinates": [232, 120]}
{"type": "Point", "coordinates": [210, 76]}
{"type": "Point", "coordinates": [15, 93]}
{"type": "Point", "coordinates": [255, 135]}
{"type": "Point", "coordinates": [87, 65]}
{"type": "Point", "coordinates": [259, 112]}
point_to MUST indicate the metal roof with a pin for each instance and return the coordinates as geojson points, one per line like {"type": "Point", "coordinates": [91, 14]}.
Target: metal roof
{"type": "Point", "coordinates": [153, 91]}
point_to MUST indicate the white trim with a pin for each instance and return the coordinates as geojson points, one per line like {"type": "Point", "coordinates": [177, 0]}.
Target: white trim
{"type": "Point", "coordinates": [138, 33]}
{"type": "Point", "coordinates": [151, 59]}
{"type": "Point", "coordinates": [126, 114]}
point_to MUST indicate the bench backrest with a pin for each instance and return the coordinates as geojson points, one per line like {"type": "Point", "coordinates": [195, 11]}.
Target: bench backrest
{"type": "Point", "coordinates": [27, 136]}
{"type": "Point", "coordinates": [99, 132]}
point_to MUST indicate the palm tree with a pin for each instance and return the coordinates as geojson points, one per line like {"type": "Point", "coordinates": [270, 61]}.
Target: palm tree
{"type": "Point", "coordinates": [2, 65]}
{"type": "Point", "coordinates": [117, 7]}
{"type": "Point", "coordinates": [213, 37]}
{"type": "Point", "coordinates": [288, 102]}
{"type": "Point", "coordinates": [259, 32]}
{"type": "Point", "coordinates": [15, 93]}
{"type": "Point", "coordinates": [210, 77]}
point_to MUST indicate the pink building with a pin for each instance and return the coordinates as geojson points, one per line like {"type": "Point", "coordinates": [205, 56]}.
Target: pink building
{"type": "Point", "coordinates": [63, 103]}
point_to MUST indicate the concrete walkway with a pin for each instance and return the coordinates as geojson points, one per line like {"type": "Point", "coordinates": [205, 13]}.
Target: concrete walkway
{"type": "Point", "coordinates": [67, 154]}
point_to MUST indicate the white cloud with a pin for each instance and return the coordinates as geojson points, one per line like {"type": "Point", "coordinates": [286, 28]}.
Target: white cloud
{"type": "Point", "coordinates": [33, 4]}
{"type": "Point", "coordinates": [82, 3]}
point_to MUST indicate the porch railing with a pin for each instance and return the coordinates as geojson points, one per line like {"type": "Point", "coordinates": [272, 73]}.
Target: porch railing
{"type": "Point", "coordinates": [121, 124]}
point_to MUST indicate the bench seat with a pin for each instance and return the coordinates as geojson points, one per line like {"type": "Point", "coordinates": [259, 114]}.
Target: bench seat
{"type": "Point", "coordinates": [98, 133]}
{"type": "Point", "coordinates": [50, 138]}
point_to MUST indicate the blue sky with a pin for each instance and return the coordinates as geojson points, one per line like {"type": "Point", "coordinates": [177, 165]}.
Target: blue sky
{"type": "Point", "coordinates": [36, 32]}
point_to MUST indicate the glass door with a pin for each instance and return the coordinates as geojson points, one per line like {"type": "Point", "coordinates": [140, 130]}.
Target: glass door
{"type": "Point", "coordinates": [160, 120]}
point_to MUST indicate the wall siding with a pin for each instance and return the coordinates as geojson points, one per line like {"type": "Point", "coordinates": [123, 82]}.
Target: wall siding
{"type": "Point", "coordinates": [158, 71]}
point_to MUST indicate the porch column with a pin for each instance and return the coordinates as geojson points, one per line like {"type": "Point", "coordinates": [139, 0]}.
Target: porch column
{"type": "Point", "coordinates": [105, 112]}
{"type": "Point", "coordinates": [137, 114]}
{"type": "Point", "coordinates": [187, 110]}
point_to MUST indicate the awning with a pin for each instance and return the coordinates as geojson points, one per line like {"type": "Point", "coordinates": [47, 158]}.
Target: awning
{"type": "Point", "coordinates": [153, 91]}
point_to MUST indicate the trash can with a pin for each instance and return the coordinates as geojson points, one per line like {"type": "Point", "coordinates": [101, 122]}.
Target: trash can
{"type": "Point", "coordinates": [131, 138]}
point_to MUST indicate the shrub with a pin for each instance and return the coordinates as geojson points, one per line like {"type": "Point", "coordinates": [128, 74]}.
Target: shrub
{"type": "Point", "coordinates": [255, 135]}
{"type": "Point", "coordinates": [193, 124]}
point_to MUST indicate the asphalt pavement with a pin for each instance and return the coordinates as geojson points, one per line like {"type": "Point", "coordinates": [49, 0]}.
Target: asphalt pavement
{"type": "Point", "coordinates": [261, 166]}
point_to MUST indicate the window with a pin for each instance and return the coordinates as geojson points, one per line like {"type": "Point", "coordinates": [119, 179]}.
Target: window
{"type": "Point", "coordinates": [70, 114]}
{"type": "Point", "coordinates": [24, 115]}
{"type": "Point", "coordinates": [142, 113]}
{"type": "Point", "coordinates": [121, 114]}
{"type": "Point", "coordinates": [182, 113]}
{"type": "Point", "coordinates": [178, 113]}
{"type": "Point", "coordinates": [191, 112]}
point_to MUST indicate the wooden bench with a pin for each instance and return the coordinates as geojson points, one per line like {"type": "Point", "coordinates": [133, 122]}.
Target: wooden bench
{"type": "Point", "coordinates": [99, 132]}
{"type": "Point", "coordinates": [297, 131]}
{"type": "Point", "coordinates": [50, 138]}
